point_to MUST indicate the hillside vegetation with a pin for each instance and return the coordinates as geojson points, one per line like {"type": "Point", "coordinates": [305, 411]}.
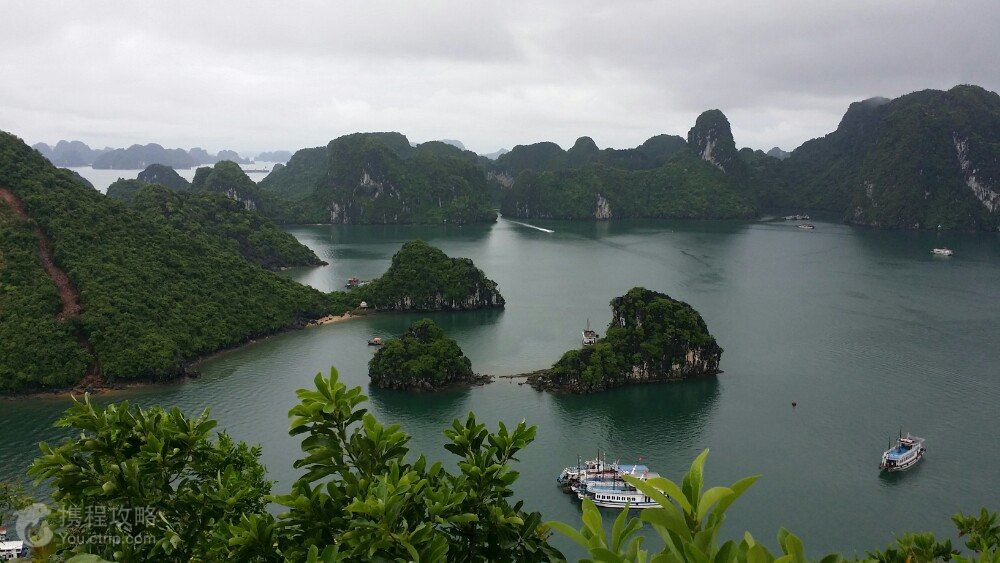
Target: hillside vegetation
{"type": "Point", "coordinates": [378, 178]}
{"type": "Point", "coordinates": [152, 295]}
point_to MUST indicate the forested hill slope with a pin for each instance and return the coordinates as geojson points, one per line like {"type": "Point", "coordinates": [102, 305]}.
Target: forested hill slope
{"type": "Point", "coordinates": [923, 160]}
{"type": "Point", "coordinates": [378, 178]}
{"type": "Point", "coordinates": [208, 214]}
{"type": "Point", "coordinates": [152, 295]}
{"type": "Point", "coordinates": [665, 177]}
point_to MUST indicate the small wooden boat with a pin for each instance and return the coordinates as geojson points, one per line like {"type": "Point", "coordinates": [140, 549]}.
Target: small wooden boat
{"type": "Point", "coordinates": [377, 341]}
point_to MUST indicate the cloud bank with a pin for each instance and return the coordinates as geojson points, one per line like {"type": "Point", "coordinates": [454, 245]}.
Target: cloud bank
{"type": "Point", "coordinates": [285, 75]}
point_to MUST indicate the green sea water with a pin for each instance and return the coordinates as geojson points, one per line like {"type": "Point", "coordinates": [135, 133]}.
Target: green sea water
{"type": "Point", "coordinates": [866, 330]}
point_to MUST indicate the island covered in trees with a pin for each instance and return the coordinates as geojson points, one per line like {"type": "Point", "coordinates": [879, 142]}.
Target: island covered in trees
{"type": "Point", "coordinates": [422, 359]}
{"type": "Point", "coordinates": [651, 338]}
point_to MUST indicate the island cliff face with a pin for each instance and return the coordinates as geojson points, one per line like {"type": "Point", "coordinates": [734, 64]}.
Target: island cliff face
{"type": "Point", "coordinates": [423, 278]}
{"type": "Point", "coordinates": [423, 359]}
{"type": "Point", "coordinates": [651, 338]}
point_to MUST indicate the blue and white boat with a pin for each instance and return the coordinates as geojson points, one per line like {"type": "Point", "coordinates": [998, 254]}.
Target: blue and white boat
{"type": "Point", "coordinates": [907, 451]}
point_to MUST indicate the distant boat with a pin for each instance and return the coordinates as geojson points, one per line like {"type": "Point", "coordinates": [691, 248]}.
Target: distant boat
{"type": "Point", "coordinates": [796, 217]}
{"type": "Point", "coordinates": [807, 226]}
{"type": "Point", "coordinates": [942, 251]}
{"type": "Point", "coordinates": [377, 341]}
{"type": "Point", "coordinates": [904, 455]}
{"type": "Point", "coordinates": [589, 336]}
{"type": "Point", "coordinates": [353, 282]}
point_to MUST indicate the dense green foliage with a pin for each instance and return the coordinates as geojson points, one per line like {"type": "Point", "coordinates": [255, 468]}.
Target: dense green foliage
{"type": "Point", "coordinates": [227, 178]}
{"type": "Point", "coordinates": [423, 358]}
{"type": "Point", "coordinates": [898, 163]}
{"type": "Point", "coordinates": [124, 189]}
{"type": "Point", "coordinates": [423, 278]}
{"type": "Point", "coordinates": [215, 215]}
{"type": "Point", "coordinates": [378, 178]}
{"type": "Point", "coordinates": [651, 337]}
{"type": "Point", "coordinates": [662, 178]}
{"type": "Point", "coordinates": [188, 485]}
{"type": "Point", "coordinates": [164, 176]}
{"type": "Point", "coordinates": [925, 160]}
{"type": "Point", "coordinates": [683, 187]}
{"type": "Point", "coordinates": [36, 349]}
{"type": "Point", "coordinates": [362, 497]}
{"type": "Point", "coordinates": [153, 296]}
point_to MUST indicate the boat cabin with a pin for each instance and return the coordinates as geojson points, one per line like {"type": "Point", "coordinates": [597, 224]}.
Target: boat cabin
{"type": "Point", "coordinates": [589, 336]}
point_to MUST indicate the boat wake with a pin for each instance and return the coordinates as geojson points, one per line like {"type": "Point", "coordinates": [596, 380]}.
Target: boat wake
{"type": "Point", "coordinates": [529, 226]}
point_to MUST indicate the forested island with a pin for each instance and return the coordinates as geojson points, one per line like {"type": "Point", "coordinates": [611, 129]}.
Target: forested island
{"type": "Point", "coordinates": [422, 359]}
{"type": "Point", "coordinates": [124, 292]}
{"type": "Point", "coordinates": [379, 178]}
{"type": "Point", "coordinates": [651, 338]}
{"type": "Point", "coordinates": [423, 278]}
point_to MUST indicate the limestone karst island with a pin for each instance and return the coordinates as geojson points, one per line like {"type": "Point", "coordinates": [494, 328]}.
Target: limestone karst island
{"type": "Point", "coordinates": [638, 282]}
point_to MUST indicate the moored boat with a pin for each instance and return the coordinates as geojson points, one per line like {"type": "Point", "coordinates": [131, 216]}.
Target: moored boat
{"type": "Point", "coordinates": [907, 451]}
{"type": "Point", "coordinates": [942, 251]}
{"type": "Point", "coordinates": [589, 336]}
{"type": "Point", "coordinates": [806, 226]}
{"type": "Point", "coordinates": [377, 341]}
{"type": "Point", "coordinates": [604, 483]}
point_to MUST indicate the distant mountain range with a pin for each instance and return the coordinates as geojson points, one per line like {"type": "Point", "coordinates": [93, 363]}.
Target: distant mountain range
{"type": "Point", "coordinates": [138, 157]}
{"type": "Point", "coordinates": [929, 159]}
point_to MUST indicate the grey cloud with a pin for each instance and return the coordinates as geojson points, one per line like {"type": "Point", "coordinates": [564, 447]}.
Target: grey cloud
{"type": "Point", "coordinates": [288, 75]}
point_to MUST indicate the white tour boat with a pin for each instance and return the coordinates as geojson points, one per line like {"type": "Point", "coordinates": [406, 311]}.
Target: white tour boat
{"type": "Point", "coordinates": [603, 483]}
{"type": "Point", "coordinates": [904, 455]}
{"type": "Point", "coordinates": [942, 251]}
{"type": "Point", "coordinates": [616, 492]}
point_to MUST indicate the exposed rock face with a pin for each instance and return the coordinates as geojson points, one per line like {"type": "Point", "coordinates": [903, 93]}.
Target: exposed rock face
{"type": "Point", "coordinates": [504, 179]}
{"type": "Point", "coordinates": [924, 160]}
{"type": "Point", "coordinates": [603, 210]}
{"type": "Point", "coordinates": [712, 139]}
{"type": "Point", "coordinates": [651, 338]}
{"type": "Point", "coordinates": [984, 193]}
{"type": "Point", "coordinates": [422, 278]}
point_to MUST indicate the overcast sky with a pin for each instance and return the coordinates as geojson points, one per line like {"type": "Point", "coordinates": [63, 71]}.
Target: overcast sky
{"type": "Point", "coordinates": [286, 75]}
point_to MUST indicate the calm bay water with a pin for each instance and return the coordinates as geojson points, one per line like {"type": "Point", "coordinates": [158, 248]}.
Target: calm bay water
{"type": "Point", "coordinates": [865, 330]}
